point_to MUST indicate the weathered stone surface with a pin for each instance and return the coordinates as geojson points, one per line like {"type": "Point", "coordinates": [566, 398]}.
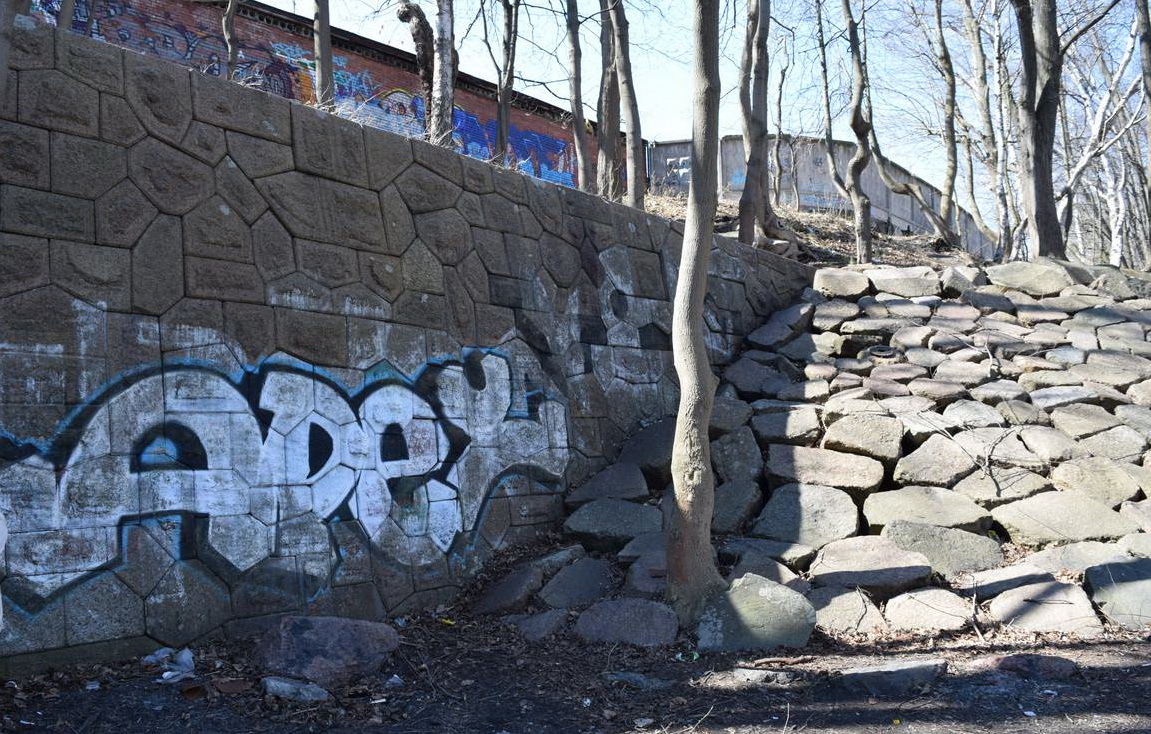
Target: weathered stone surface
{"type": "Point", "coordinates": [1138, 512]}
{"type": "Point", "coordinates": [174, 181]}
{"type": "Point", "coordinates": [1119, 444]}
{"type": "Point", "coordinates": [1080, 421]}
{"type": "Point", "coordinates": [998, 446]}
{"type": "Point", "coordinates": [647, 576]}
{"type": "Point", "coordinates": [188, 603]}
{"type": "Point", "coordinates": [1052, 606]}
{"type": "Point", "coordinates": [876, 436]}
{"type": "Point", "coordinates": [968, 374]}
{"type": "Point", "coordinates": [1096, 477]}
{"type": "Point", "coordinates": [1122, 590]}
{"type": "Point", "coordinates": [293, 690]}
{"type": "Point", "coordinates": [49, 99]}
{"type": "Point", "coordinates": [1048, 398]}
{"type": "Point", "coordinates": [583, 582]}
{"type": "Point", "coordinates": [930, 609]}
{"type": "Point", "coordinates": [1137, 544]}
{"type": "Point", "coordinates": [235, 107]}
{"type": "Point", "coordinates": [737, 456]}
{"type": "Point", "coordinates": [512, 592]}
{"type": "Point", "coordinates": [622, 480]}
{"type": "Point", "coordinates": [728, 414]}
{"type": "Point", "coordinates": [830, 314]}
{"type": "Point", "coordinates": [328, 650]}
{"type": "Point", "coordinates": [541, 626]}
{"type": "Point", "coordinates": [103, 608]}
{"type": "Point", "coordinates": [1051, 445]}
{"type": "Point", "coordinates": [43, 214]}
{"type": "Point", "coordinates": [870, 562]}
{"type": "Point", "coordinates": [94, 273]}
{"type": "Point", "coordinates": [24, 155]}
{"type": "Point", "coordinates": [1064, 516]}
{"type": "Point", "coordinates": [950, 551]}
{"type": "Point", "coordinates": [425, 191]}
{"type": "Point", "coordinates": [314, 337]}
{"type": "Point", "coordinates": [897, 678]}
{"type": "Point", "coordinates": [808, 514]}
{"type": "Point", "coordinates": [735, 503]}
{"type": "Point", "coordinates": [992, 582]}
{"type": "Point", "coordinates": [639, 622]}
{"type": "Point", "coordinates": [122, 214]}
{"type": "Point", "coordinates": [836, 283]}
{"type": "Point", "coordinates": [755, 614]}
{"type": "Point", "coordinates": [326, 211]}
{"type": "Point", "coordinates": [389, 155]}
{"type": "Point", "coordinates": [782, 326]}
{"type": "Point", "coordinates": [795, 556]}
{"type": "Point", "coordinates": [940, 461]}
{"type": "Point", "coordinates": [1075, 557]}
{"type": "Point", "coordinates": [931, 505]}
{"type": "Point", "coordinates": [824, 467]}
{"type": "Point", "coordinates": [995, 485]}
{"type": "Point", "coordinates": [158, 267]}
{"type": "Point", "coordinates": [328, 146]}
{"type": "Point", "coordinates": [799, 426]}
{"type": "Point", "coordinates": [160, 94]}
{"type": "Point", "coordinates": [842, 610]}
{"type": "Point", "coordinates": [608, 524]}
{"type": "Point", "coordinates": [23, 264]}
{"type": "Point", "coordinates": [1033, 278]}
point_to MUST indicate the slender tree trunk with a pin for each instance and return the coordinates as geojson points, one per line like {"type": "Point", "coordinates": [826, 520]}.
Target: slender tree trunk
{"type": "Point", "coordinates": [861, 126]}
{"type": "Point", "coordinates": [424, 41]}
{"type": "Point", "coordinates": [7, 18]}
{"type": "Point", "coordinates": [584, 175]}
{"type": "Point", "coordinates": [322, 38]}
{"type": "Point", "coordinates": [753, 104]}
{"type": "Point", "coordinates": [1143, 17]}
{"type": "Point", "coordinates": [511, 10]}
{"type": "Point", "coordinates": [229, 28]}
{"type": "Point", "coordinates": [608, 111]}
{"type": "Point", "coordinates": [777, 184]}
{"type": "Point", "coordinates": [1037, 108]}
{"type": "Point", "coordinates": [946, 201]}
{"type": "Point", "coordinates": [636, 161]}
{"type": "Point", "coordinates": [439, 115]}
{"type": "Point", "coordinates": [66, 15]}
{"type": "Point", "coordinates": [828, 140]}
{"type": "Point", "coordinates": [692, 575]}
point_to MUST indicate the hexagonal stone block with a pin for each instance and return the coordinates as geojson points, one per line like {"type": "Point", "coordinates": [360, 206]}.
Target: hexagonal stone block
{"type": "Point", "coordinates": [237, 107]}
{"type": "Point", "coordinates": [328, 146]}
{"type": "Point", "coordinates": [23, 155]}
{"type": "Point", "coordinates": [28, 211]}
{"type": "Point", "coordinates": [258, 157]}
{"type": "Point", "coordinates": [446, 233]}
{"type": "Point", "coordinates": [94, 273]}
{"type": "Point", "coordinates": [238, 191]}
{"type": "Point", "coordinates": [425, 191]}
{"type": "Point", "coordinates": [389, 155]}
{"type": "Point", "coordinates": [122, 214]}
{"type": "Point", "coordinates": [241, 539]}
{"type": "Point", "coordinates": [84, 167]}
{"type": "Point", "coordinates": [325, 211]}
{"type": "Point", "coordinates": [383, 274]}
{"type": "Point", "coordinates": [160, 93]}
{"type": "Point", "coordinates": [329, 265]}
{"type": "Point", "coordinates": [188, 603]}
{"type": "Point", "coordinates": [98, 65]}
{"type": "Point", "coordinates": [102, 609]}
{"type": "Point", "coordinates": [174, 181]}
{"type": "Point", "coordinates": [204, 142]}
{"type": "Point", "coordinates": [215, 230]}
{"type": "Point", "coordinates": [52, 100]}
{"type": "Point", "coordinates": [145, 560]}
{"type": "Point", "coordinates": [158, 267]}
{"type": "Point", "coordinates": [23, 263]}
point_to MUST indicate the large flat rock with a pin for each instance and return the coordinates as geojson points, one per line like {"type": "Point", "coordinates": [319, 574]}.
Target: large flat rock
{"type": "Point", "coordinates": [755, 613]}
{"type": "Point", "coordinates": [1122, 589]}
{"type": "Point", "coordinates": [929, 609]}
{"type": "Point", "coordinates": [640, 622]}
{"type": "Point", "coordinates": [796, 464]}
{"type": "Point", "coordinates": [939, 462]}
{"type": "Point", "coordinates": [843, 610]}
{"type": "Point", "coordinates": [951, 552]}
{"type": "Point", "coordinates": [1061, 517]}
{"type": "Point", "coordinates": [608, 524]}
{"type": "Point", "coordinates": [1053, 606]}
{"type": "Point", "coordinates": [931, 505]}
{"type": "Point", "coordinates": [808, 514]}
{"type": "Point", "coordinates": [869, 562]}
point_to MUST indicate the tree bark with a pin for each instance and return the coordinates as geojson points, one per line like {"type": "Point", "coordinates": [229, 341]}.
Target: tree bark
{"type": "Point", "coordinates": [777, 183]}
{"type": "Point", "coordinates": [441, 106]}
{"type": "Point", "coordinates": [511, 10]}
{"type": "Point", "coordinates": [861, 126]}
{"type": "Point", "coordinates": [229, 28]}
{"type": "Point", "coordinates": [947, 69]}
{"type": "Point", "coordinates": [66, 15]}
{"type": "Point", "coordinates": [322, 41]}
{"type": "Point", "coordinates": [608, 111]}
{"type": "Point", "coordinates": [753, 109]}
{"type": "Point", "coordinates": [585, 179]}
{"type": "Point", "coordinates": [691, 574]}
{"type": "Point", "coordinates": [636, 161]}
{"type": "Point", "coordinates": [1037, 109]}
{"type": "Point", "coordinates": [1143, 18]}
{"type": "Point", "coordinates": [424, 41]}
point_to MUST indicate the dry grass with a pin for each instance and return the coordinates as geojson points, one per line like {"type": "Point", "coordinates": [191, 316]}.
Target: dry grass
{"type": "Point", "coordinates": [826, 238]}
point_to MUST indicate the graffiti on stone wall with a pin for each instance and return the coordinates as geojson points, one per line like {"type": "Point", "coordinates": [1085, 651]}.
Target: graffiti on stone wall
{"type": "Point", "coordinates": [283, 464]}
{"type": "Point", "coordinates": [288, 70]}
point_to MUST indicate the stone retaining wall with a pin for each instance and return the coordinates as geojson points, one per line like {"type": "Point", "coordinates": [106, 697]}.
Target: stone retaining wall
{"type": "Point", "coordinates": [257, 359]}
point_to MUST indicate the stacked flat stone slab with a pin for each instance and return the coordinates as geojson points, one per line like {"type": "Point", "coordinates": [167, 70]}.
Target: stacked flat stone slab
{"type": "Point", "coordinates": [903, 499]}
{"type": "Point", "coordinates": [160, 227]}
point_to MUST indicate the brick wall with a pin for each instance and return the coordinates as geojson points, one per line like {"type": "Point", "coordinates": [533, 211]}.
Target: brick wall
{"type": "Point", "coordinates": [256, 359]}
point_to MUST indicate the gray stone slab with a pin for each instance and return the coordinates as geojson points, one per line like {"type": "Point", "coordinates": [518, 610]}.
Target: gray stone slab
{"type": "Point", "coordinates": [1052, 606]}
{"type": "Point", "coordinates": [1097, 477]}
{"type": "Point", "coordinates": [640, 622]}
{"type": "Point", "coordinates": [940, 461]}
{"type": "Point", "coordinates": [512, 592]}
{"type": "Point", "coordinates": [583, 582]}
{"type": "Point", "coordinates": [608, 524]}
{"type": "Point", "coordinates": [898, 678]}
{"type": "Point", "coordinates": [998, 485]}
{"type": "Point", "coordinates": [1122, 590]}
{"type": "Point", "coordinates": [622, 480]}
{"type": "Point", "coordinates": [951, 552]}
{"type": "Point", "coordinates": [824, 467]}
{"type": "Point", "coordinates": [160, 93]}
{"type": "Point", "coordinates": [846, 611]}
{"type": "Point", "coordinates": [929, 609]}
{"type": "Point", "coordinates": [1075, 557]}
{"type": "Point", "coordinates": [930, 505]}
{"type": "Point", "coordinates": [735, 503]}
{"type": "Point", "coordinates": [808, 515]}
{"type": "Point", "coordinates": [869, 562]}
{"type": "Point", "coordinates": [755, 613]}
{"type": "Point", "coordinates": [1064, 516]}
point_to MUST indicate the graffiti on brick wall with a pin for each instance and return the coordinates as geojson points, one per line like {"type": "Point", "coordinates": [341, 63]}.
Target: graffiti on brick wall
{"type": "Point", "coordinates": [288, 69]}
{"type": "Point", "coordinates": [283, 464]}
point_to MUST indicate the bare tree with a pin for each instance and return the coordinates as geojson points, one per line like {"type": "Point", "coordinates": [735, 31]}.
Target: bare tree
{"type": "Point", "coordinates": [692, 575]}
{"type": "Point", "coordinates": [636, 160]}
{"type": "Point", "coordinates": [575, 85]}
{"type": "Point", "coordinates": [441, 106]}
{"type": "Point", "coordinates": [229, 28]}
{"type": "Point", "coordinates": [505, 71]}
{"type": "Point", "coordinates": [424, 41]}
{"type": "Point", "coordinates": [777, 158]}
{"type": "Point", "coordinates": [754, 204]}
{"type": "Point", "coordinates": [947, 72]}
{"type": "Point", "coordinates": [1143, 20]}
{"type": "Point", "coordinates": [608, 110]}
{"type": "Point", "coordinates": [66, 14]}
{"type": "Point", "coordinates": [322, 40]}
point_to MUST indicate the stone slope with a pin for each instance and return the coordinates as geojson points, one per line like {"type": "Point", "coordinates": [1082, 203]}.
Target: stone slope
{"type": "Point", "coordinates": [878, 442]}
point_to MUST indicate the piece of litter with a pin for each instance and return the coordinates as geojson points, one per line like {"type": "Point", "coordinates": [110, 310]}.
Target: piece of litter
{"type": "Point", "coordinates": [586, 703]}
{"type": "Point", "coordinates": [92, 685]}
{"type": "Point", "coordinates": [394, 682]}
{"type": "Point", "coordinates": [1049, 692]}
{"type": "Point", "coordinates": [1030, 714]}
{"type": "Point", "coordinates": [159, 657]}
{"type": "Point", "coordinates": [641, 723]}
{"type": "Point", "coordinates": [378, 701]}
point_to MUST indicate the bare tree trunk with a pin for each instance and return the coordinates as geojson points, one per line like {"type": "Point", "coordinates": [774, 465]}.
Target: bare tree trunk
{"type": "Point", "coordinates": [66, 15]}
{"type": "Point", "coordinates": [861, 126]}
{"type": "Point", "coordinates": [322, 40]}
{"type": "Point", "coordinates": [511, 10]}
{"type": "Point", "coordinates": [608, 111]}
{"type": "Point", "coordinates": [636, 161]}
{"type": "Point", "coordinates": [7, 17]}
{"type": "Point", "coordinates": [752, 81]}
{"type": "Point", "coordinates": [229, 28]}
{"type": "Point", "coordinates": [1143, 18]}
{"type": "Point", "coordinates": [424, 42]}
{"type": "Point", "coordinates": [777, 184]}
{"type": "Point", "coordinates": [946, 202]}
{"type": "Point", "coordinates": [441, 107]}
{"type": "Point", "coordinates": [942, 227]}
{"type": "Point", "coordinates": [586, 181]}
{"type": "Point", "coordinates": [1037, 108]}
{"type": "Point", "coordinates": [691, 573]}
{"type": "Point", "coordinates": [828, 140]}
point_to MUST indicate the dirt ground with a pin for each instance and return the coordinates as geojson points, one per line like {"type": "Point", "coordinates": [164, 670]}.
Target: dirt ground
{"type": "Point", "coordinates": [479, 677]}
